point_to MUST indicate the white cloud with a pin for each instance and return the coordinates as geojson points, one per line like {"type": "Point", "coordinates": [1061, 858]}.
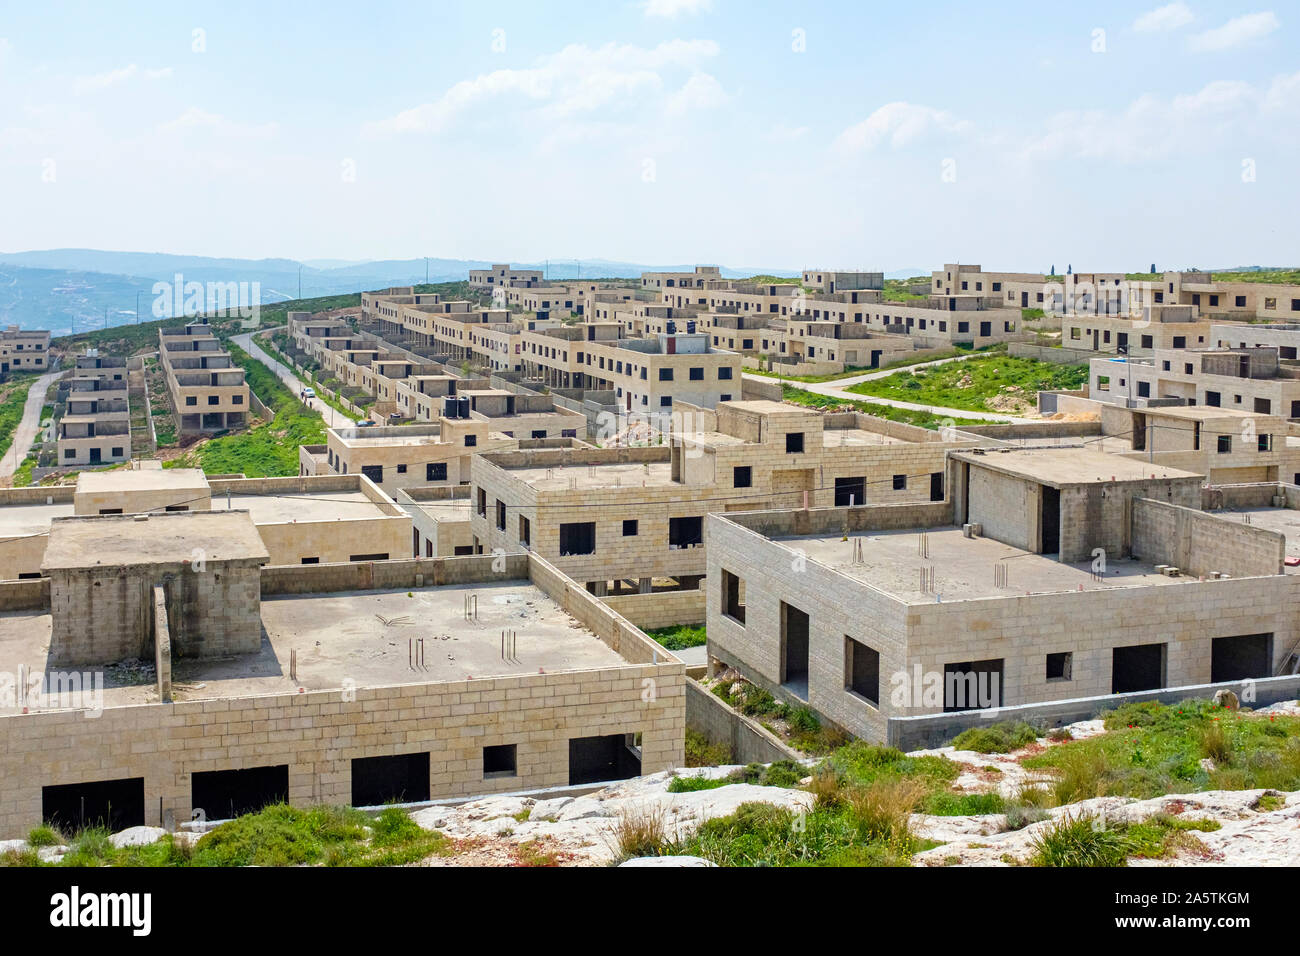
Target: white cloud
{"type": "Point", "coordinates": [1236, 32]}
{"type": "Point", "coordinates": [1283, 94]}
{"type": "Point", "coordinates": [1153, 127]}
{"type": "Point", "coordinates": [577, 81]}
{"type": "Point", "coordinates": [898, 124]}
{"type": "Point", "coordinates": [101, 81]}
{"type": "Point", "coordinates": [783, 133]}
{"type": "Point", "coordinates": [1169, 17]}
{"type": "Point", "coordinates": [196, 119]}
{"type": "Point", "coordinates": [674, 8]}
{"type": "Point", "coordinates": [701, 92]}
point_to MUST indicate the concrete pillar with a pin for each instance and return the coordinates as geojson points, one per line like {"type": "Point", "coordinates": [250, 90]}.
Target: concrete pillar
{"type": "Point", "coordinates": [644, 584]}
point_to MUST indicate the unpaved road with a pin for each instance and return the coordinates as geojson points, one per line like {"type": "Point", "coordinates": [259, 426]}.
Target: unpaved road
{"type": "Point", "coordinates": [26, 431]}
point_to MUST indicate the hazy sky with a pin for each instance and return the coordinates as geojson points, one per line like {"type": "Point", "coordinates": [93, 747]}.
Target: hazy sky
{"type": "Point", "coordinates": [1103, 135]}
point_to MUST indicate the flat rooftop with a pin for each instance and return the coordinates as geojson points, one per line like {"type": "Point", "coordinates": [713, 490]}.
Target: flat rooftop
{"type": "Point", "coordinates": [1061, 467]}
{"type": "Point", "coordinates": [18, 521]}
{"type": "Point", "coordinates": [836, 437]}
{"type": "Point", "coordinates": [963, 567]}
{"type": "Point", "coordinates": [305, 506]}
{"type": "Point", "coordinates": [362, 636]}
{"type": "Point", "coordinates": [168, 538]}
{"type": "Point", "coordinates": [657, 474]}
{"type": "Point", "coordinates": [145, 479]}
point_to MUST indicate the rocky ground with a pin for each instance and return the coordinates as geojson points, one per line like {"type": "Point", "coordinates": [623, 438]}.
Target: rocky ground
{"type": "Point", "coordinates": [579, 831]}
{"type": "Point", "coordinates": [1257, 827]}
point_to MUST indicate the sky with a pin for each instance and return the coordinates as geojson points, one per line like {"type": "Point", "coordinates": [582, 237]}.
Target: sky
{"type": "Point", "coordinates": [1102, 135]}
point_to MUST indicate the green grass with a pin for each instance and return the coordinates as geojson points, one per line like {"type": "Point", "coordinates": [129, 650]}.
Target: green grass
{"type": "Point", "coordinates": [955, 352]}
{"type": "Point", "coordinates": [780, 773]}
{"type": "Point", "coordinates": [1152, 749]}
{"type": "Point", "coordinates": [23, 474]}
{"type": "Point", "coordinates": [679, 636]}
{"type": "Point", "coordinates": [799, 726]}
{"type": "Point", "coordinates": [759, 834]}
{"type": "Point", "coordinates": [266, 450]}
{"type": "Point", "coordinates": [701, 753]}
{"type": "Point", "coordinates": [1281, 276]}
{"type": "Point", "coordinates": [907, 416]}
{"type": "Point", "coordinates": [990, 376]}
{"type": "Point", "coordinates": [278, 835]}
{"type": "Point", "coordinates": [11, 411]}
{"type": "Point", "coordinates": [306, 376]}
{"type": "Point", "coordinates": [1084, 839]}
{"type": "Point", "coordinates": [999, 738]}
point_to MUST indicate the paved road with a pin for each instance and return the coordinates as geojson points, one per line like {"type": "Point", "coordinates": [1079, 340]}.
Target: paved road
{"type": "Point", "coordinates": [30, 424]}
{"type": "Point", "coordinates": [333, 418]}
{"type": "Point", "coordinates": [837, 389]}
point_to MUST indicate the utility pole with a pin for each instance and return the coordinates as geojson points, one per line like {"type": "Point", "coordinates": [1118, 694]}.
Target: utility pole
{"type": "Point", "coordinates": [426, 270]}
{"type": "Point", "coordinates": [137, 308]}
{"type": "Point", "coordinates": [300, 282]}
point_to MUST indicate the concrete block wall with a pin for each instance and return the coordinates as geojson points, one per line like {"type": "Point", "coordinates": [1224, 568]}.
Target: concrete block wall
{"type": "Point", "coordinates": [162, 644]}
{"type": "Point", "coordinates": [29, 594]}
{"type": "Point", "coordinates": [102, 615]}
{"type": "Point", "coordinates": [936, 730]}
{"type": "Point", "coordinates": [391, 575]}
{"type": "Point", "coordinates": [336, 540]}
{"type": "Point", "coordinates": [920, 638]}
{"type": "Point", "coordinates": [319, 733]}
{"type": "Point", "coordinates": [660, 608]}
{"type": "Point", "coordinates": [708, 714]}
{"type": "Point", "coordinates": [838, 607]}
{"type": "Point", "coordinates": [1197, 543]}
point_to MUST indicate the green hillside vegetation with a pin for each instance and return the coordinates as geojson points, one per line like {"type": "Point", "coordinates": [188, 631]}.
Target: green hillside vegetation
{"type": "Point", "coordinates": [972, 383]}
{"type": "Point", "coordinates": [13, 396]}
{"type": "Point", "coordinates": [907, 416]}
{"type": "Point", "coordinates": [268, 450]}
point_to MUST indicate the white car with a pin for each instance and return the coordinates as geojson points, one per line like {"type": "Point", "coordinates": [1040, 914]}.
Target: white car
{"type": "Point", "coordinates": [309, 393]}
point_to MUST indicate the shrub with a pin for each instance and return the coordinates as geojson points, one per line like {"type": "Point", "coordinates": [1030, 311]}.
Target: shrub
{"type": "Point", "coordinates": [883, 809]}
{"type": "Point", "coordinates": [1021, 815]}
{"type": "Point", "coordinates": [803, 720]}
{"type": "Point", "coordinates": [44, 835]}
{"type": "Point", "coordinates": [701, 753]}
{"type": "Point", "coordinates": [1081, 840]}
{"type": "Point", "coordinates": [1216, 743]}
{"type": "Point", "coordinates": [996, 738]}
{"type": "Point", "coordinates": [640, 832]}
{"type": "Point", "coordinates": [1082, 775]}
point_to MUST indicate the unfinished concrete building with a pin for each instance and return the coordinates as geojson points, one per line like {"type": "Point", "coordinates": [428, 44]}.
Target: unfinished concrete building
{"type": "Point", "coordinates": [95, 427]}
{"type": "Point", "coordinates": [207, 388]}
{"type": "Point", "coordinates": [1049, 575]}
{"type": "Point", "coordinates": [1253, 379]}
{"type": "Point", "coordinates": [314, 520]}
{"type": "Point", "coordinates": [24, 350]}
{"type": "Point", "coordinates": [109, 574]}
{"type": "Point", "coordinates": [632, 518]}
{"type": "Point", "coordinates": [363, 684]}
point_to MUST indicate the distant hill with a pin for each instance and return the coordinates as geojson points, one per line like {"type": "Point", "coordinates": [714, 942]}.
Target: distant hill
{"type": "Point", "coordinates": [66, 290]}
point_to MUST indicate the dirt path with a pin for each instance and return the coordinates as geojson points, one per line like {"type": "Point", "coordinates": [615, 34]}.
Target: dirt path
{"type": "Point", "coordinates": [26, 431]}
